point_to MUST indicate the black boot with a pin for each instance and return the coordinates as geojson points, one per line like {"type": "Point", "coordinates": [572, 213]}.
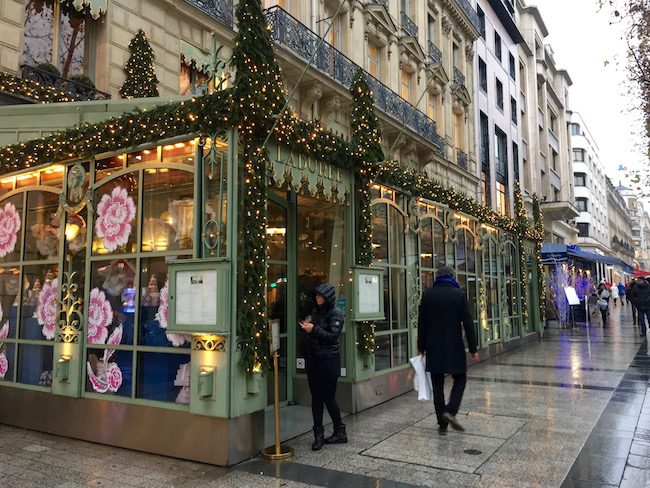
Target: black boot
{"type": "Point", "coordinates": [338, 437]}
{"type": "Point", "coordinates": [319, 439]}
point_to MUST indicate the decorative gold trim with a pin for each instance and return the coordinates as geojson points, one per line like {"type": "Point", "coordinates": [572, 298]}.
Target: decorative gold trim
{"type": "Point", "coordinates": [209, 343]}
{"type": "Point", "coordinates": [70, 314]}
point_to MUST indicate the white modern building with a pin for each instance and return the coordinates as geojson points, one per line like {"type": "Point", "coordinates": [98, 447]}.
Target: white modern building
{"type": "Point", "coordinates": [497, 97]}
{"type": "Point", "coordinates": [590, 189]}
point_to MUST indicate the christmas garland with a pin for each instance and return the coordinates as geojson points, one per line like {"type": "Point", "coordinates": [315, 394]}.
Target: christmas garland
{"type": "Point", "coordinates": [522, 225]}
{"type": "Point", "coordinates": [33, 90]}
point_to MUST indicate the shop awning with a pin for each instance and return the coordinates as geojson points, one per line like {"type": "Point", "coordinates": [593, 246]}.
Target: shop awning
{"type": "Point", "coordinates": [561, 253]}
{"type": "Point", "coordinates": [641, 273]}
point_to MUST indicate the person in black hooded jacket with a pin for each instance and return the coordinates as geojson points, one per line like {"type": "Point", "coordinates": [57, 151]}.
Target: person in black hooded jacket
{"type": "Point", "coordinates": [324, 363]}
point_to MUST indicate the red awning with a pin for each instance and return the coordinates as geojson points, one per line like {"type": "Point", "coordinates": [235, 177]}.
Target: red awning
{"type": "Point", "coordinates": [640, 272]}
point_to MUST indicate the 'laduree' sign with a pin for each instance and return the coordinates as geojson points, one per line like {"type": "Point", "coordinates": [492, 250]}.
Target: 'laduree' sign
{"type": "Point", "coordinates": [307, 175]}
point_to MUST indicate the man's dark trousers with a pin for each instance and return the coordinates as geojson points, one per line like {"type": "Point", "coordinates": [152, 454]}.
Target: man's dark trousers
{"type": "Point", "coordinates": [642, 314]}
{"type": "Point", "coordinates": [438, 381]}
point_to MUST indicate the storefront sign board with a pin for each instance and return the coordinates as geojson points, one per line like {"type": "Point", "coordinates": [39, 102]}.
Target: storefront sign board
{"type": "Point", "coordinates": [368, 293]}
{"type": "Point", "coordinates": [198, 297]}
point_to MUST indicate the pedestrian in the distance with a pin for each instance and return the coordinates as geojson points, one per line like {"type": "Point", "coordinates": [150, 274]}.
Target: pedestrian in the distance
{"type": "Point", "coordinates": [642, 304]}
{"type": "Point", "coordinates": [323, 363]}
{"type": "Point", "coordinates": [444, 313]}
{"type": "Point", "coordinates": [622, 292]}
{"type": "Point", "coordinates": [631, 297]}
{"type": "Point", "coordinates": [614, 293]}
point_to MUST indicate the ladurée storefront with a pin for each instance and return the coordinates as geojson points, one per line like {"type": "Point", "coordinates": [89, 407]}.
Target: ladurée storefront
{"type": "Point", "coordinates": [145, 259]}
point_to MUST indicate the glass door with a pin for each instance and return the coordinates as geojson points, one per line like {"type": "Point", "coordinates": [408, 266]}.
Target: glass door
{"type": "Point", "coordinates": [277, 232]}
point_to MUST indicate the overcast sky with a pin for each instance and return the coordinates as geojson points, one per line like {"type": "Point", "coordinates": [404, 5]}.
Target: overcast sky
{"type": "Point", "coordinates": [583, 41]}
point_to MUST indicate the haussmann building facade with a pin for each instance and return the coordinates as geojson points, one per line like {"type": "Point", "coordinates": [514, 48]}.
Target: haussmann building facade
{"type": "Point", "coordinates": [108, 226]}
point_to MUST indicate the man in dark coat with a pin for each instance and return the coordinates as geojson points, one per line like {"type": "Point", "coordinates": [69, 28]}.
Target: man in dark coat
{"type": "Point", "coordinates": [444, 307]}
{"type": "Point", "coordinates": [642, 304]}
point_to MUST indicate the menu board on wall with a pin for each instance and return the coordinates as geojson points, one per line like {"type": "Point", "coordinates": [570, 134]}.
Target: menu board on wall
{"type": "Point", "coordinates": [196, 292]}
{"type": "Point", "coordinates": [369, 294]}
{"type": "Point", "coordinates": [199, 297]}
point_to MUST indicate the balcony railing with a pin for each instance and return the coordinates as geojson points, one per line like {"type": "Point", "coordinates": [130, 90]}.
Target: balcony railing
{"type": "Point", "coordinates": [380, 2]}
{"type": "Point", "coordinates": [459, 78]}
{"type": "Point", "coordinates": [301, 41]}
{"type": "Point", "coordinates": [408, 26]}
{"type": "Point", "coordinates": [434, 53]}
{"type": "Point", "coordinates": [461, 159]}
{"type": "Point", "coordinates": [76, 90]}
{"type": "Point", "coordinates": [221, 10]}
{"type": "Point", "coordinates": [471, 13]}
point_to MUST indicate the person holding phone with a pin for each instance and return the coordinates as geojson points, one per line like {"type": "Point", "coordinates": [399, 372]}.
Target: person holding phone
{"type": "Point", "coordinates": [323, 363]}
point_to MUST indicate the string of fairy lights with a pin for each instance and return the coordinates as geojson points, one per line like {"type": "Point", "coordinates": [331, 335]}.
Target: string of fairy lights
{"type": "Point", "coordinates": [33, 90]}
{"type": "Point", "coordinates": [252, 105]}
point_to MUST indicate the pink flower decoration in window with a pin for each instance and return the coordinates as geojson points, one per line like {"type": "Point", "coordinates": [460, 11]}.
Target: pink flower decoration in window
{"type": "Point", "coordinates": [9, 227]}
{"type": "Point", "coordinates": [46, 309]}
{"type": "Point", "coordinates": [114, 215]}
{"type": "Point", "coordinates": [108, 376]}
{"type": "Point", "coordinates": [162, 316]}
{"type": "Point", "coordinates": [100, 317]}
{"type": "Point", "coordinates": [4, 365]}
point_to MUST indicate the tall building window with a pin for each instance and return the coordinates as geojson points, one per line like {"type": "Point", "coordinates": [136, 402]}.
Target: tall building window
{"type": "Point", "coordinates": [482, 75]}
{"type": "Point", "coordinates": [454, 55]}
{"type": "Point", "coordinates": [499, 88]}
{"type": "Point", "coordinates": [485, 142]}
{"type": "Point", "coordinates": [431, 28]}
{"type": "Point", "coordinates": [513, 69]}
{"type": "Point", "coordinates": [513, 110]}
{"type": "Point", "coordinates": [579, 179]}
{"type": "Point", "coordinates": [55, 32]}
{"type": "Point", "coordinates": [406, 88]}
{"type": "Point", "coordinates": [515, 160]}
{"type": "Point", "coordinates": [458, 131]}
{"type": "Point", "coordinates": [481, 21]}
{"type": "Point", "coordinates": [497, 46]}
{"type": "Point", "coordinates": [554, 158]}
{"type": "Point", "coordinates": [374, 61]}
{"type": "Point", "coordinates": [579, 155]}
{"type": "Point", "coordinates": [553, 121]}
{"type": "Point", "coordinates": [334, 36]}
{"type": "Point", "coordinates": [193, 81]}
{"type": "Point", "coordinates": [575, 129]}
{"type": "Point", "coordinates": [581, 204]}
{"type": "Point", "coordinates": [502, 199]}
{"type": "Point", "coordinates": [486, 196]}
{"type": "Point", "coordinates": [583, 229]}
{"type": "Point", "coordinates": [501, 154]}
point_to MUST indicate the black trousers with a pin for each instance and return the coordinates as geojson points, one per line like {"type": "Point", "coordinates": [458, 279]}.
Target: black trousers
{"type": "Point", "coordinates": [438, 380]}
{"type": "Point", "coordinates": [642, 314]}
{"type": "Point", "coordinates": [322, 375]}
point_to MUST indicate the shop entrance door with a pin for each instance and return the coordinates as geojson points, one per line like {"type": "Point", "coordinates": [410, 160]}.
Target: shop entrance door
{"type": "Point", "coordinates": [306, 247]}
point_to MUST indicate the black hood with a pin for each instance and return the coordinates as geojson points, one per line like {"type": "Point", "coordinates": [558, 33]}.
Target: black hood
{"type": "Point", "coordinates": [328, 292]}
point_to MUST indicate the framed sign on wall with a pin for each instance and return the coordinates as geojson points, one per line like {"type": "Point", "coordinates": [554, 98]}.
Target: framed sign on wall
{"type": "Point", "coordinates": [199, 293]}
{"type": "Point", "coordinates": [368, 293]}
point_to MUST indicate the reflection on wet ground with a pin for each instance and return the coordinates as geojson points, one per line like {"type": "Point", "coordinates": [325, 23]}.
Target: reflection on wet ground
{"type": "Point", "coordinates": [569, 410]}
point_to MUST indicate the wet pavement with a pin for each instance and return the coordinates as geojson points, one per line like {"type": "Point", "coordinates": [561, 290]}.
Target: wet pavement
{"type": "Point", "coordinates": [571, 410]}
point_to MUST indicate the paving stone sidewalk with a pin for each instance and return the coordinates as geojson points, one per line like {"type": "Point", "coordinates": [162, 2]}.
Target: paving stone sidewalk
{"type": "Point", "coordinates": [571, 410]}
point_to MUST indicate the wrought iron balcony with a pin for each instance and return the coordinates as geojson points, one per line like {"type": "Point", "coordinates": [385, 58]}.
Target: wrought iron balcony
{"type": "Point", "coordinates": [434, 53]}
{"type": "Point", "coordinates": [76, 90]}
{"type": "Point", "coordinates": [380, 2]}
{"type": "Point", "coordinates": [470, 12]}
{"type": "Point", "coordinates": [221, 10]}
{"type": "Point", "coordinates": [302, 42]}
{"type": "Point", "coordinates": [409, 27]}
{"type": "Point", "coordinates": [461, 159]}
{"type": "Point", "coordinates": [459, 78]}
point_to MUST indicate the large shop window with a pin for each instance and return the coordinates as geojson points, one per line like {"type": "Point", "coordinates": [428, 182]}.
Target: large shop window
{"type": "Point", "coordinates": [143, 220]}
{"type": "Point", "coordinates": [512, 321]}
{"type": "Point", "coordinates": [56, 33]}
{"type": "Point", "coordinates": [30, 233]}
{"type": "Point", "coordinates": [490, 294]}
{"type": "Point", "coordinates": [388, 246]}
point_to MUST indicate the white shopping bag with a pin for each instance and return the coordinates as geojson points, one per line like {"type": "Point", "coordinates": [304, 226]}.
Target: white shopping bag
{"type": "Point", "coordinates": [421, 379]}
